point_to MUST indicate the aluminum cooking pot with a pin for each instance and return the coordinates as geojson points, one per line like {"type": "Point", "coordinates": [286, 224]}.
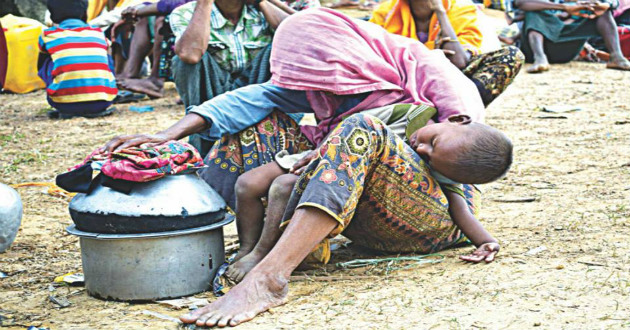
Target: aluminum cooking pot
{"type": "Point", "coordinates": [152, 266]}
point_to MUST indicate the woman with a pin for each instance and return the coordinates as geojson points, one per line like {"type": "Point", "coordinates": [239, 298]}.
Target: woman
{"type": "Point", "coordinates": [551, 37]}
{"type": "Point", "coordinates": [397, 186]}
{"type": "Point", "coordinates": [454, 27]}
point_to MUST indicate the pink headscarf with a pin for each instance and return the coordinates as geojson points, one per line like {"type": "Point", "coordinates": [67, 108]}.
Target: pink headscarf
{"type": "Point", "coordinates": [324, 52]}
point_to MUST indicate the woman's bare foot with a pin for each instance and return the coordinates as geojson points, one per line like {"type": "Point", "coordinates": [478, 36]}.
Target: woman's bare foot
{"type": "Point", "coordinates": [240, 268]}
{"type": "Point", "coordinates": [153, 87]}
{"type": "Point", "coordinates": [257, 293]}
{"type": "Point", "coordinates": [539, 65]}
{"type": "Point", "coordinates": [618, 63]}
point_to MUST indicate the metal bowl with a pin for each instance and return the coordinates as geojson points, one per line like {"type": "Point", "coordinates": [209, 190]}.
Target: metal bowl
{"type": "Point", "coordinates": [10, 216]}
{"type": "Point", "coordinates": [151, 266]}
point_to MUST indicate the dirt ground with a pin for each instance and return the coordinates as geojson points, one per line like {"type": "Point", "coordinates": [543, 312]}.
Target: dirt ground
{"type": "Point", "coordinates": [562, 216]}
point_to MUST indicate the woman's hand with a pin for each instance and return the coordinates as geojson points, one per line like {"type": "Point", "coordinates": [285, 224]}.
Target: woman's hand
{"type": "Point", "coordinates": [300, 165]}
{"type": "Point", "coordinates": [485, 252]}
{"type": "Point", "coordinates": [127, 141]}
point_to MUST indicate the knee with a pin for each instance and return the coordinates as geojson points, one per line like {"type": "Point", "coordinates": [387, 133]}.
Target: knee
{"type": "Point", "coordinates": [533, 34]}
{"type": "Point", "coordinates": [282, 186]}
{"type": "Point", "coordinates": [248, 186]}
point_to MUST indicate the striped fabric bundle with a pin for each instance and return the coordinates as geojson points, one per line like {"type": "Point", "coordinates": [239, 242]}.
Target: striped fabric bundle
{"type": "Point", "coordinates": [81, 69]}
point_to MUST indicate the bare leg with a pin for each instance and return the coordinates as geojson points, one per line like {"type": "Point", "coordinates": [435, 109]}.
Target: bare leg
{"type": "Point", "coordinates": [608, 30]}
{"type": "Point", "coordinates": [510, 40]}
{"type": "Point", "coordinates": [119, 60]}
{"type": "Point", "coordinates": [536, 43]}
{"type": "Point", "coordinates": [266, 286]}
{"type": "Point", "coordinates": [250, 187]}
{"type": "Point", "coordinates": [154, 86]}
{"type": "Point", "coordinates": [279, 194]}
{"type": "Point", "coordinates": [138, 50]}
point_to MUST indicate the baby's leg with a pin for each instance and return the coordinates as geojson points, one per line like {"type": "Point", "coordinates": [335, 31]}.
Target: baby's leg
{"type": "Point", "coordinates": [279, 194]}
{"type": "Point", "coordinates": [250, 187]}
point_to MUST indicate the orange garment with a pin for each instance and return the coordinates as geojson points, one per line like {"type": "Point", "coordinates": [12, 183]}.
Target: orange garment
{"type": "Point", "coordinates": [395, 16]}
{"type": "Point", "coordinates": [95, 7]}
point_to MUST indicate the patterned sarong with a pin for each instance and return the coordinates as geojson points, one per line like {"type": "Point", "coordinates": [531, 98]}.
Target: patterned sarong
{"type": "Point", "coordinates": [493, 72]}
{"type": "Point", "coordinates": [255, 146]}
{"type": "Point", "coordinates": [379, 190]}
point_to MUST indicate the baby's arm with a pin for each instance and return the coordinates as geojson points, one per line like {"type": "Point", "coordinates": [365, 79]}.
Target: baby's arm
{"type": "Point", "coordinates": [487, 246]}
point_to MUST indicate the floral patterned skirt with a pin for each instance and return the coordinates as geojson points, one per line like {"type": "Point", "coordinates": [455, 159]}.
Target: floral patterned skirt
{"type": "Point", "coordinates": [493, 72]}
{"type": "Point", "coordinates": [255, 146]}
{"type": "Point", "coordinates": [379, 190]}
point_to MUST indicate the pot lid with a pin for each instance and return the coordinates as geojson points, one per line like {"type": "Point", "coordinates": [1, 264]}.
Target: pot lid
{"type": "Point", "coordinates": [178, 196]}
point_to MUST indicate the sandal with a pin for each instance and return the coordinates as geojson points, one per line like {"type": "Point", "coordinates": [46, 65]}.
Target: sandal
{"type": "Point", "coordinates": [56, 114]}
{"type": "Point", "coordinates": [127, 96]}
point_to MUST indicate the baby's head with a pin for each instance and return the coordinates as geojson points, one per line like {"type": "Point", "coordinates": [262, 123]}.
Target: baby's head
{"type": "Point", "coordinates": [464, 151]}
{"type": "Point", "coordinates": [61, 10]}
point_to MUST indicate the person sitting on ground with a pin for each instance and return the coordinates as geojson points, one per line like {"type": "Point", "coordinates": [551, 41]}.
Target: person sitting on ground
{"type": "Point", "coordinates": [549, 37]}
{"type": "Point", "coordinates": [74, 63]}
{"type": "Point", "coordinates": [223, 45]}
{"type": "Point", "coordinates": [148, 20]}
{"type": "Point", "coordinates": [454, 26]}
{"type": "Point", "coordinates": [365, 179]}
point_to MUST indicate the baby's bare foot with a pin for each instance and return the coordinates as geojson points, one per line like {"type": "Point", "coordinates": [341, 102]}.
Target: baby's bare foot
{"type": "Point", "coordinates": [240, 268]}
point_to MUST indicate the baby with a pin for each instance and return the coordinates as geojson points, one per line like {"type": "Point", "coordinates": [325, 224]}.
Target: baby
{"type": "Point", "coordinates": [457, 151]}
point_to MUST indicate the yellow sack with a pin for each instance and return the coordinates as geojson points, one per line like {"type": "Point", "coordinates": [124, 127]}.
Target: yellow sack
{"type": "Point", "coordinates": [18, 54]}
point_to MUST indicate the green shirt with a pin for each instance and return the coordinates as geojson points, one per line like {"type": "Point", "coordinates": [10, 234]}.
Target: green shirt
{"type": "Point", "coordinates": [232, 46]}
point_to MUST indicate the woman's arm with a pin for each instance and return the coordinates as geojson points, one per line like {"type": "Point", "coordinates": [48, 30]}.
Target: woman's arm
{"type": "Point", "coordinates": [193, 43]}
{"type": "Point", "coordinates": [453, 49]}
{"type": "Point", "coordinates": [190, 124]}
{"type": "Point", "coordinates": [487, 246]}
{"type": "Point", "coordinates": [228, 113]}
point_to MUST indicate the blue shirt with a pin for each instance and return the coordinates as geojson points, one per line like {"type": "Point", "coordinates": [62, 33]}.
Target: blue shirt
{"type": "Point", "coordinates": [234, 111]}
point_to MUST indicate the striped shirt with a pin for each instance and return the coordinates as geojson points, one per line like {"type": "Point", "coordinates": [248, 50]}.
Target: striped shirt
{"type": "Point", "coordinates": [81, 71]}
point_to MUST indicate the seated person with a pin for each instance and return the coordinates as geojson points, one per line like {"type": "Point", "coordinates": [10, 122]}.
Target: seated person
{"type": "Point", "coordinates": [148, 20]}
{"type": "Point", "coordinates": [362, 170]}
{"type": "Point", "coordinates": [74, 63]}
{"type": "Point", "coordinates": [455, 27]}
{"type": "Point", "coordinates": [549, 37]}
{"type": "Point", "coordinates": [223, 45]}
